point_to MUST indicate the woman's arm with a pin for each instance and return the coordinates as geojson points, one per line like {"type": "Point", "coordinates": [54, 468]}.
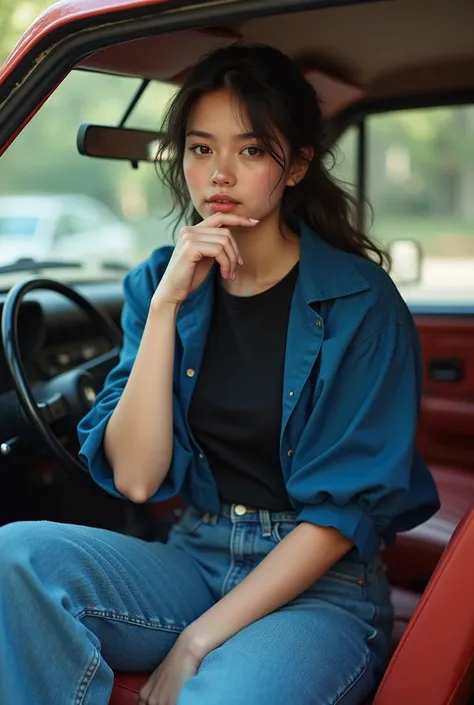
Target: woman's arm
{"type": "Point", "coordinates": [288, 570]}
{"type": "Point", "coordinates": [138, 440]}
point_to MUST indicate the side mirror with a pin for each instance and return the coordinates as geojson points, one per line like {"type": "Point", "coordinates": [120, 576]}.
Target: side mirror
{"type": "Point", "coordinates": [407, 257]}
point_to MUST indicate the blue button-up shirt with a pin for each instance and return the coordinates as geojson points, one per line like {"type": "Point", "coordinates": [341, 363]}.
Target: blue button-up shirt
{"type": "Point", "coordinates": [347, 441]}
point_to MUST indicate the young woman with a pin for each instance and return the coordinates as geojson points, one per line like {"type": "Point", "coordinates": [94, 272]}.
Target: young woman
{"type": "Point", "coordinates": [270, 375]}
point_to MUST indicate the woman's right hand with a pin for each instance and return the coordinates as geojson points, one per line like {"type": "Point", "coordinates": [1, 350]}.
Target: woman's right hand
{"type": "Point", "coordinates": [198, 247]}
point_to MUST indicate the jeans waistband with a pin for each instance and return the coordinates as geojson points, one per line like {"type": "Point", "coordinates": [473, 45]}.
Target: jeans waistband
{"type": "Point", "coordinates": [243, 511]}
{"type": "Point", "coordinates": [266, 519]}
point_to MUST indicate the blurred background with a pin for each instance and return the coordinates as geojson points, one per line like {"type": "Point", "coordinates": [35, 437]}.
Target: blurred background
{"type": "Point", "coordinates": [420, 178]}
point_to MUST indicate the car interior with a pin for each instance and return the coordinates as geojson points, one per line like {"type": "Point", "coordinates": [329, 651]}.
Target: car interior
{"type": "Point", "coordinates": [372, 63]}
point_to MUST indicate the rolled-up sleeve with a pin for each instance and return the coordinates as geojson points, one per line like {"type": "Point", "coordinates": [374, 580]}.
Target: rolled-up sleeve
{"type": "Point", "coordinates": [138, 286]}
{"type": "Point", "coordinates": [356, 467]}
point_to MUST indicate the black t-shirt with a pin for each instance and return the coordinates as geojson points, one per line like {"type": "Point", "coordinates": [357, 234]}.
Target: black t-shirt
{"type": "Point", "coordinates": [235, 412]}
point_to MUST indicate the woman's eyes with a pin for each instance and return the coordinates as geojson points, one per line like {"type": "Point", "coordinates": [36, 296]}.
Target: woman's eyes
{"type": "Point", "coordinates": [253, 151]}
{"type": "Point", "coordinates": [201, 150]}
{"type": "Point", "coordinates": [195, 148]}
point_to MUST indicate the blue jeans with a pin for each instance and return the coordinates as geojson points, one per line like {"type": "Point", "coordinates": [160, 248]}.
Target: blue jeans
{"type": "Point", "coordinates": [77, 603]}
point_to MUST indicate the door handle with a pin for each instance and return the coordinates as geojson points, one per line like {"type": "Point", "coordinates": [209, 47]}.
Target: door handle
{"type": "Point", "coordinates": [446, 369]}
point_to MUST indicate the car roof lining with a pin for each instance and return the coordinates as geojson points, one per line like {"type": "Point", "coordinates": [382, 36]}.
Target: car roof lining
{"type": "Point", "coordinates": [357, 46]}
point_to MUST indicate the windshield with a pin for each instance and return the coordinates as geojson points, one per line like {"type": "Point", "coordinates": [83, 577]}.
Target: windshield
{"type": "Point", "coordinates": [57, 205]}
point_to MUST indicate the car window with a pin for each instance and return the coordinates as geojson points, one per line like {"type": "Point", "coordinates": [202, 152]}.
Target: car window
{"type": "Point", "coordinates": [17, 226]}
{"type": "Point", "coordinates": [419, 171]}
{"type": "Point", "coordinates": [43, 172]}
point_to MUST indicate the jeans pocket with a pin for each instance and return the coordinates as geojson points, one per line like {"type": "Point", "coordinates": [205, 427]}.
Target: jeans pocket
{"type": "Point", "coordinates": [355, 575]}
{"type": "Point", "coordinates": [345, 579]}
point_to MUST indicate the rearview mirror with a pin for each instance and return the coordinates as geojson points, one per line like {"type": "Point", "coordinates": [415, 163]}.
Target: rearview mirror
{"type": "Point", "coordinates": [108, 142]}
{"type": "Point", "coordinates": [407, 258]}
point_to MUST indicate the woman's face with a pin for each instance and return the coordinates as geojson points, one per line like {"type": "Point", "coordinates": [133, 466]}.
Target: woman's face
{"type": "Point", "coordinates": [222, 159]}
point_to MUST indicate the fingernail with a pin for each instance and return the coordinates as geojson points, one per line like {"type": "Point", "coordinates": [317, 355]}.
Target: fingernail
{"type": "Point", "coordinates": [240, 260]}
{"type": "Point", "coordinates": [253, 220]}
{"type": "Point", "coordinates": [233, 276]}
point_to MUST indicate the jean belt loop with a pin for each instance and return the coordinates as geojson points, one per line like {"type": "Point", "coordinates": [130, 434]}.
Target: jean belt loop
{"type": "Point", "coordinates": [265, 522]}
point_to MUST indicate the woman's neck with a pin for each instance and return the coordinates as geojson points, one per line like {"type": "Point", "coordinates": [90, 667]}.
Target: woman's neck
{"type": "Point", "coordinates": [269, 251]}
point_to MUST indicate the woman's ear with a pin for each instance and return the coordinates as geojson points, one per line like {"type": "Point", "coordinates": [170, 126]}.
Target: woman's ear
{"type": "Point", "coordinates": [300, 166]}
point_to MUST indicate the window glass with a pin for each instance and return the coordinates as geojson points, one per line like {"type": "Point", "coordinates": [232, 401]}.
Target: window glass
{"type": "Point", "coordinates": [420, 185]}
{"type": "Point", "coordinates": [45, 180]}
{"type": "Point", "coordinates": [420, 182]}
{"type": "Point", "coordinates": [19, 226]}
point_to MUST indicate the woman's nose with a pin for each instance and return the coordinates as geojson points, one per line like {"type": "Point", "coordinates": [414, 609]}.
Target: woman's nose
{"type": "Point", "coordinates": [222, 175]}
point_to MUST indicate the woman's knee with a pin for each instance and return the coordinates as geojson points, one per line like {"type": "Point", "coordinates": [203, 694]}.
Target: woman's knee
{"type": "Point", "coordinates": [22, 537]}
{"type": "Point", "coordinates": [30, 548]}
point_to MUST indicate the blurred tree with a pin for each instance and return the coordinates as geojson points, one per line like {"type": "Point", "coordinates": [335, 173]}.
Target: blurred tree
{"type": "Point", "coordinates": [15, 18]}
{"type": "Point", "coordinates": [422, 161]}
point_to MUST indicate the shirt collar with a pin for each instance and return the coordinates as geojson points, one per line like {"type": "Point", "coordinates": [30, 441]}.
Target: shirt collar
{"type": "Point", "coordinates": [326, 272]}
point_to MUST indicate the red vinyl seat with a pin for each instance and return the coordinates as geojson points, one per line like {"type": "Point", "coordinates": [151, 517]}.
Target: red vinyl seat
{"type": "Point", "coordinates": [434, 661]}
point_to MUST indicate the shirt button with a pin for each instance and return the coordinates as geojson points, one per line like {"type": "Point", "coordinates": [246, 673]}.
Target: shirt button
{"type": "Point", "coordinates": [200, 456]}
{"type": "Point", "coordinates": [190, 372]}
{"type": "Point", "coordinates": [291, 452]}
{"type": "Point", "coordinates": [240, 510]}
{"type": "Point", "coordinates": [290, 394]}
{"type": "Point", "coordinates": [318, 323]}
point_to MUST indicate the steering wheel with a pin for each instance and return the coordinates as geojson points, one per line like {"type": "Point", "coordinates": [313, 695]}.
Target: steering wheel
{"type": "Point", "coordinates": [69, 395]}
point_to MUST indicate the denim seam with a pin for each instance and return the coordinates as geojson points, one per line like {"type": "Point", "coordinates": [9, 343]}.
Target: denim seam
{"type": "Point", "coordinates": [87, 678]}
{"type": "Point", "coordinates": [354, 681]}
{"type": "Point", "coordinates": [232, 560]}
{"type": "Point", "coordinates": [138, 621]}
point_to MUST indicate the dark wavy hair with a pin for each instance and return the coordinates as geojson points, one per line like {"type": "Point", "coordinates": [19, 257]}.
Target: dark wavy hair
{"type": "Point", "coordinates": [278, 99]}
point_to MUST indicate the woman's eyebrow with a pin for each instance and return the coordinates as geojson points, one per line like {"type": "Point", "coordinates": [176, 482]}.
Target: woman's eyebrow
{"type": "Point", "coordinates": [208, 136]}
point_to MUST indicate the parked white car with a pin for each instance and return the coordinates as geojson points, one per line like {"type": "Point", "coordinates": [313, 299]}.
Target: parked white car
{"type": "Point", "coordinates": [62, 227]}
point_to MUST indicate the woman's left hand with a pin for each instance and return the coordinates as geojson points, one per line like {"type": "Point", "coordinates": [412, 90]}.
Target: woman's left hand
{"type": "Point", "coordinates": [165, 683]}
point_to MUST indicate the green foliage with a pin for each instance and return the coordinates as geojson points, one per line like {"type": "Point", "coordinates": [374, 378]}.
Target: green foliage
{"type": "Point", "coordinates": [15, 17]}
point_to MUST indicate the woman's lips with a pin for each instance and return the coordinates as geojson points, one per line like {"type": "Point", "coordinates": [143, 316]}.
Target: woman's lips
{"type": "Point", "coordinates": [222, 206]}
